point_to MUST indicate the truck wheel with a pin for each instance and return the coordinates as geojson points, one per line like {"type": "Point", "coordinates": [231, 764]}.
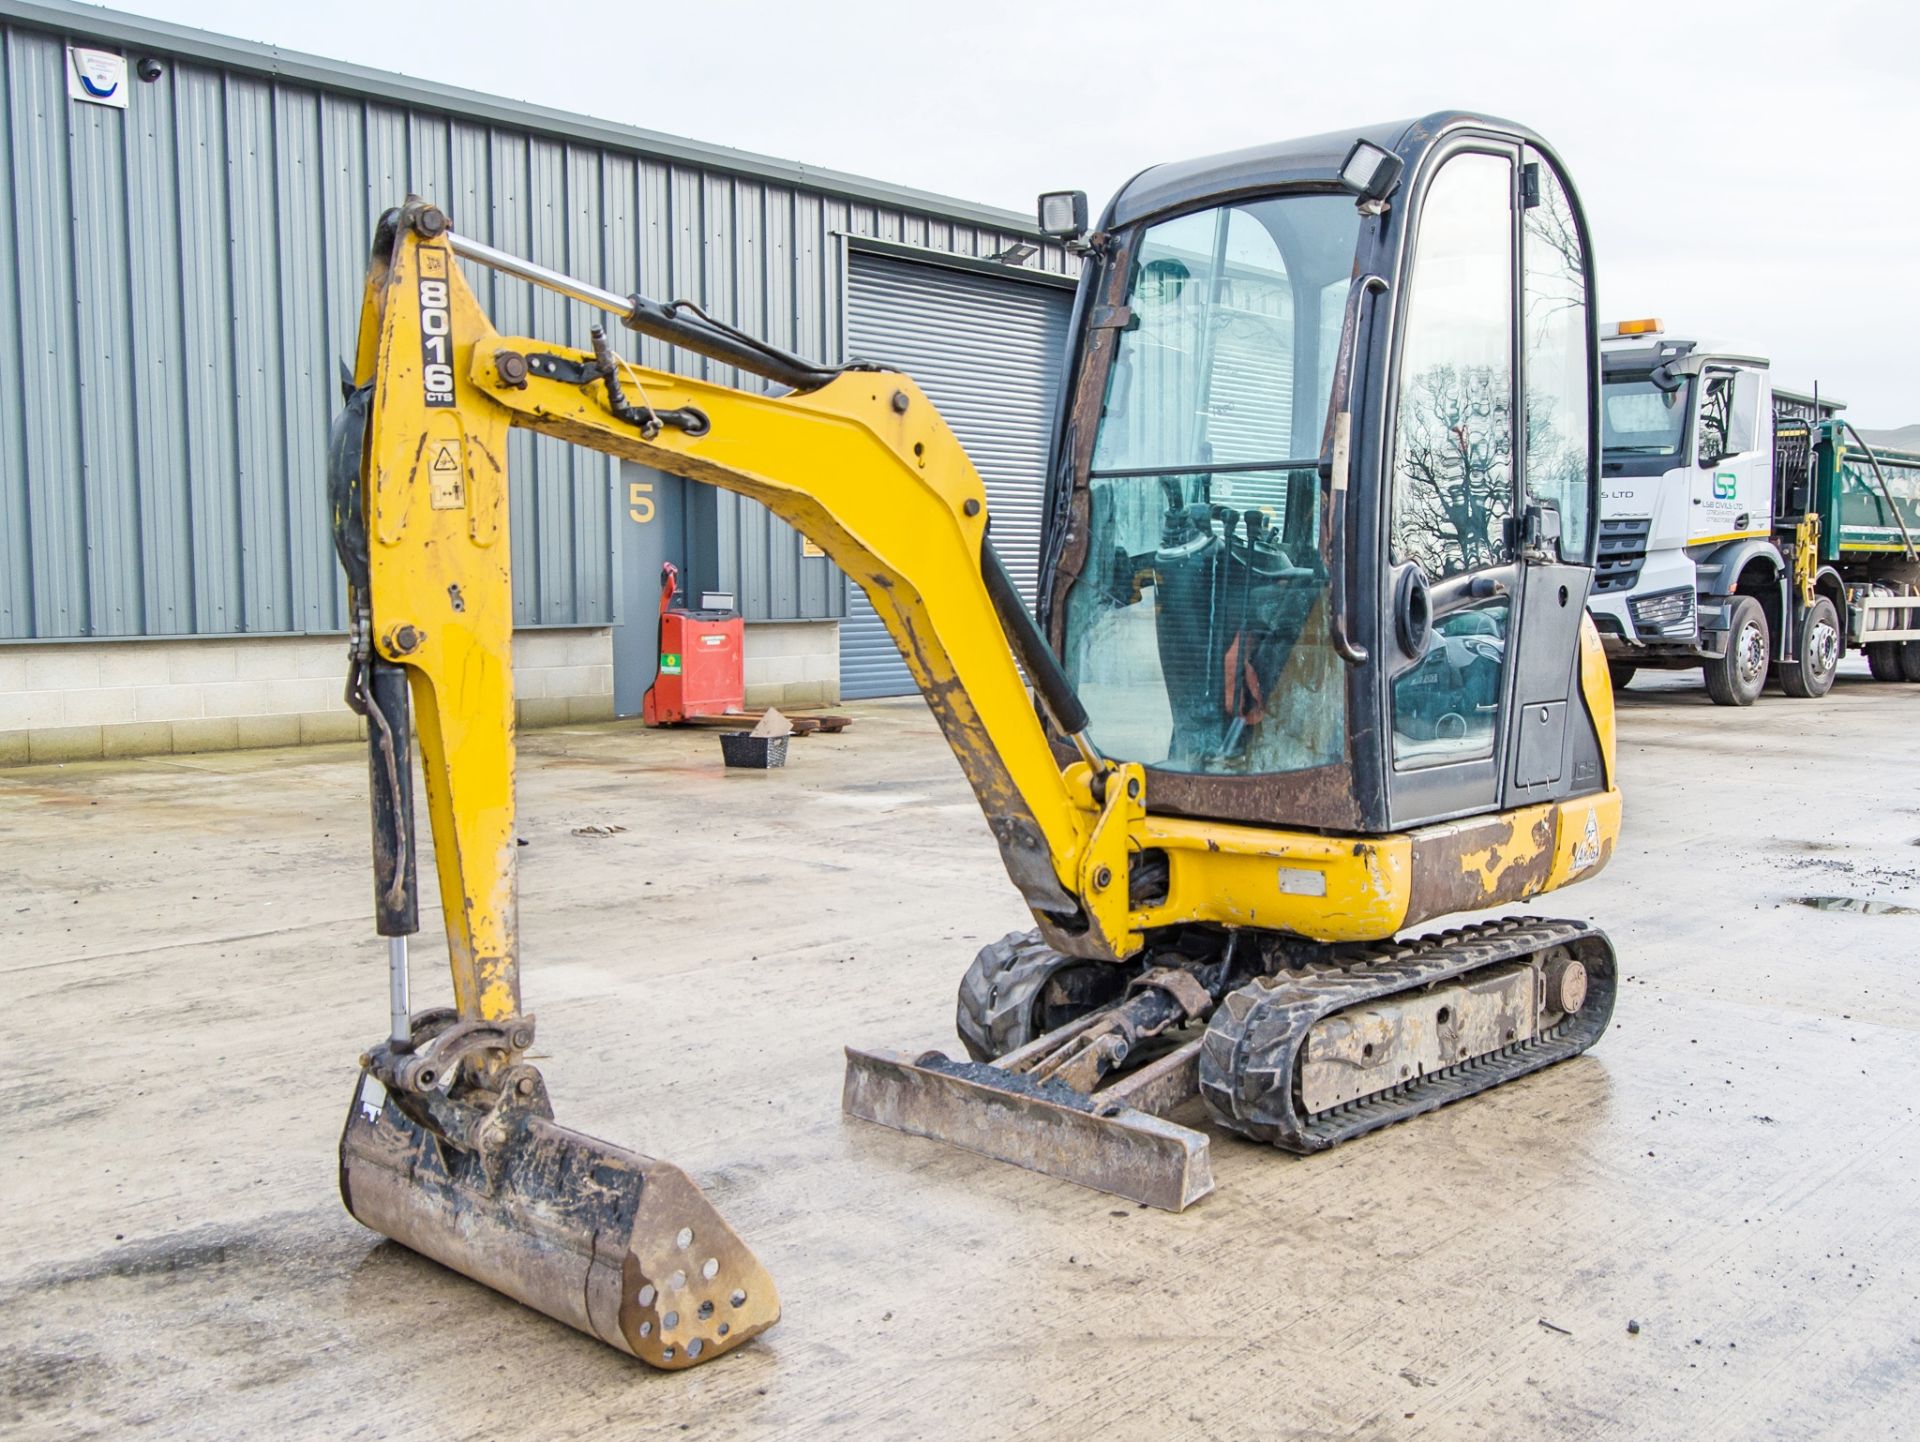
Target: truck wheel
{"type": "Point", "coordinates": [1621, 672]}
{"type": "Point", "coordinates": [1019, 988]}
{"type": "Point", "coordinates": [1737, 678]}
{"type": "Point", "coordinates": [1910, 660]}
{"type": "Point", "coordinates": [1812, 674]}
{"type": "Point", "coordinates": [1883, 659]}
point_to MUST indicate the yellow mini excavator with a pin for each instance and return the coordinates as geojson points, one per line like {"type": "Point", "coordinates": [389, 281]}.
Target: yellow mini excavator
{"type": "Point", "coordinates": [1310, 667]}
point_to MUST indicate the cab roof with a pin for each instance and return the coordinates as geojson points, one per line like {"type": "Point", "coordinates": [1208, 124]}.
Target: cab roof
{"type": "Point", "coordinates": [1641, 352]}
{"type": "Point", "coordinates": [1311, 160]}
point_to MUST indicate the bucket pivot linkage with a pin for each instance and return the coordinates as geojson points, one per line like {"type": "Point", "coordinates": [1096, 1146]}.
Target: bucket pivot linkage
{"type": "Point", "coordinates": [451, 1149]}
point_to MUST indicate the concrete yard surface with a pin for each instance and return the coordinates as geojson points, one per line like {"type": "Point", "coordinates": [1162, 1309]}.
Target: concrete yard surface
{"type": "Point", "coordinates": [1735, 1168]}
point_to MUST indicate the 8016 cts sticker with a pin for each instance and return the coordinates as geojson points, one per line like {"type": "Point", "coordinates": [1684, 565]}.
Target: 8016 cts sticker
{"type": "Point", "coordinates": [436, 330]}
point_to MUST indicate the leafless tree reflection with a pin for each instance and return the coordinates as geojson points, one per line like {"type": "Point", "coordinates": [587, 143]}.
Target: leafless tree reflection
{"type": "Point", "coordinates": [1455, 486]}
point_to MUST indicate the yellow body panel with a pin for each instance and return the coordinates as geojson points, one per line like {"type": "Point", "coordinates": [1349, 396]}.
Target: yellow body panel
{"type": "Point", "coordinates": [1327, 887]}
{"type": "Point", "coordinates": [1584, 834]}
{"type": "Point", "coordinates": [1596, 689]}
{"type": "Point", "coordinates": [865, 467]}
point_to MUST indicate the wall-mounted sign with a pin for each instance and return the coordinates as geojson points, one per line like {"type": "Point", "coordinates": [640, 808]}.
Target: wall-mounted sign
{"type": "Point", "coordinates": [98, 77]}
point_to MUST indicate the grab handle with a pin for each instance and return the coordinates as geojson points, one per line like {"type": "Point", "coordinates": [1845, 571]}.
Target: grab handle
{"type": "Point", "coordinates": [1335, 467]}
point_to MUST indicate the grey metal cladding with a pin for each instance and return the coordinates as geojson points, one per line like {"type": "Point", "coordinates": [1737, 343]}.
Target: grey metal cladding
{"type": "Point", "coordinates": [182, 277]}
{"type": "Point", "coordinates": [988, 351]}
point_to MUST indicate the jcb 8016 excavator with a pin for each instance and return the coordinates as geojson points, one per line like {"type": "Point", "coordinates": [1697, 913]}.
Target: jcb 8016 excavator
{"type": "Point", "coordinates": [1311, 667]}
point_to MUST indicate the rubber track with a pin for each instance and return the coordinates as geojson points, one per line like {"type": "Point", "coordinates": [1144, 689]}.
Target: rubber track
{"type": "Point", "coordinates": [1250, 1062]}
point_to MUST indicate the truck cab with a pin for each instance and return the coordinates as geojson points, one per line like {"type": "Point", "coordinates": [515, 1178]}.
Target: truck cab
{"type": "Point", "coordinates": [1693, 568]}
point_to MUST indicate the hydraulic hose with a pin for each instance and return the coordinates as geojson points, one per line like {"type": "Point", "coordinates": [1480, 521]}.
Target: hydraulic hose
{"type": "Point", "coordinates": [1043, 668]}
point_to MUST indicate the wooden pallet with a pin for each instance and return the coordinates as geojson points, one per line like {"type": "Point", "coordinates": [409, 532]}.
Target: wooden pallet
{"type": "Point", "coordinates": [747, 720]}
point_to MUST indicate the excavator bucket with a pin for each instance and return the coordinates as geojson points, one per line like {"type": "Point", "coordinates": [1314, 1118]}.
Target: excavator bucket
{"type": "Point", "coordinates": [621, 1246]}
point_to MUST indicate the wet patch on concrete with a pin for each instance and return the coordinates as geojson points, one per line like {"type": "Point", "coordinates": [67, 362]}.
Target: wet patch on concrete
{"type": "Point", "coordinates": [1856, 904]}
{"type": "Point", "coordinates": [35, 1376]}
{"type": "Point", "coordinates": [299, 1240]}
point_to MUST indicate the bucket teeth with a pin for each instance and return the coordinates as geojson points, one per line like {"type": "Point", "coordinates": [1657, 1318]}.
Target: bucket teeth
{"type": "Point", "coordinates": [622, 1246]}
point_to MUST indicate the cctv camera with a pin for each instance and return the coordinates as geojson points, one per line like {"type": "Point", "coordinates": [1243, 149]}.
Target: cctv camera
{"type": "Point", "coordinates": [149, 69]}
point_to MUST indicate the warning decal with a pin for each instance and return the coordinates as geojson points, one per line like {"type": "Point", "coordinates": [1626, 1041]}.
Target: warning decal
{"type": "Point", "coordinates": [1586, 851]}
{"type": "Point", "coordinates": [446, 481]}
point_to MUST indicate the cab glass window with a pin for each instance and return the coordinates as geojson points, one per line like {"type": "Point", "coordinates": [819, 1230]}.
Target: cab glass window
{"type": "Point", "coordinates": [1716, 417]}
{"type": "Point", "coordinates": [1639, 418]}
{"type": "Point", "coordinates": [1453, 481]}
{"type": "Point", "coordinates": [1744, 415]}
{"type": "Point", "coordinates": [1196, 632]}
{"type": "Point", "coordinates": [1453, 436]}
{"type": "Point", "coordinates": [1554, 332]}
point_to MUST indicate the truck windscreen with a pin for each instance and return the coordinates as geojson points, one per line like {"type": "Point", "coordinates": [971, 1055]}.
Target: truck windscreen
{"type": "Point", "coordinates": [1637, 418]}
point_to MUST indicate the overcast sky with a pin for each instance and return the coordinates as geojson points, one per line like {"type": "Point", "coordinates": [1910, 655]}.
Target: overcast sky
{"type": "Point", "coordinates": [1747, 169]}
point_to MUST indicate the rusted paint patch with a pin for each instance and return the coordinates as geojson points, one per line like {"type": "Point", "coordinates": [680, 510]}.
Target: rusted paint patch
{"type": "Point", "coordinates": [1470, 865]}
{"type": "Point", "coordinates": [1321, 797]}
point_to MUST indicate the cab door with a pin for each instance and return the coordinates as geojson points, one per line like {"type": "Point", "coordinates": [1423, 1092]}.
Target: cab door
{"type": "Point", "coordinates": [1733, 464]}
{"type": "Point", "coordinates": [1491, 493]}
{"type": "Point", "coordinates": [1453, 488]}
{"type": "Point", "coordinates": [1559, 494]}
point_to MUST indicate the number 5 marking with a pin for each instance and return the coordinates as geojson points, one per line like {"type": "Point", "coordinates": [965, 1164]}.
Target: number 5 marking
{"type": "Point", "coordinates": [640, 501]}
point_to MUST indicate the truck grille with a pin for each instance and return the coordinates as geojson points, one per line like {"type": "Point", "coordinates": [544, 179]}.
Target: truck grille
{"type": "Point", "coordinates": [1623, 547]}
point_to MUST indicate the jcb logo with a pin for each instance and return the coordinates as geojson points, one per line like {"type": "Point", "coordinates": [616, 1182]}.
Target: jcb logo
{"type": "Point", "coordinates": [436, 333]}
{"type": "Point", "coordinates": [1723, 486]}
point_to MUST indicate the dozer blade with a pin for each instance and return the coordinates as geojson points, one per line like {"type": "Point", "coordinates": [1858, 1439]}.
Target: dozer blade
{"type": "Point", "coordinates": [1099, 1141]}
{"type": "Point", "coordinates": [622, 1246]}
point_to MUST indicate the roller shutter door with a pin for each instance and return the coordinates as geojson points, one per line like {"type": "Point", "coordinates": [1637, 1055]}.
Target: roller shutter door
{"type": "Point", "coordinates": [988, 351]}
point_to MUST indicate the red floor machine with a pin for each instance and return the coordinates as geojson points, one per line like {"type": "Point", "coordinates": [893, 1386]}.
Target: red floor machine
{"type": "Point", "coordinates": [702, 676]}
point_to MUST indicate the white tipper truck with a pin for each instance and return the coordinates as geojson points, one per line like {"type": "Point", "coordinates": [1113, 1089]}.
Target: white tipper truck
{"type": "Point", "coordinates": [1745, 529]}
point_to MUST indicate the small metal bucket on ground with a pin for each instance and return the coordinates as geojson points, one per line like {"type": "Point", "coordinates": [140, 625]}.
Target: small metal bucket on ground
{"type": "Point", "coordinates": [757, 753]}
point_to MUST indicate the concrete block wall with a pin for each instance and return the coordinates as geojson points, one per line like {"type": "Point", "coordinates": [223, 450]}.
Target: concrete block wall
{"type": "Point", "coordinates": [563, 676]}
{"type": "Point", "coordinates": [792, 663]}
{"type": "Point", "coordinates": [89, 700]}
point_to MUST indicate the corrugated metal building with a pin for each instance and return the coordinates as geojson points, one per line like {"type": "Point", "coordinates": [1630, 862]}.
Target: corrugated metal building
{"type": "Point", "coordinates": [179, 270]}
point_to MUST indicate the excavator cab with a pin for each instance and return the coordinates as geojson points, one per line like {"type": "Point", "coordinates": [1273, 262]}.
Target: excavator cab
{"type": "Point", "coordinates": [1309, 669]}
{"type": "Point", "coordinates": [1325, 495]}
